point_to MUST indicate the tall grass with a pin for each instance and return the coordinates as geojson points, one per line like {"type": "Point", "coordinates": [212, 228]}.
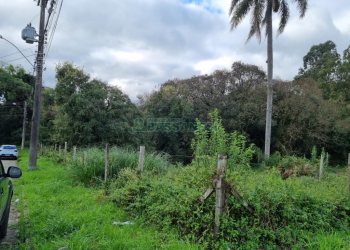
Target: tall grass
{"type": "Point", "coordinates": [57, 214]}
{"type": "Point", "coordinates": [88, 165]}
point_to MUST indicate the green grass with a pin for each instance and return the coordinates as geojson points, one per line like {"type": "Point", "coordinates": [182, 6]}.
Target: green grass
{"type": "Point", "coordinates": [88, 166]}
{"type": "Point", "coordinates": [57, 213]}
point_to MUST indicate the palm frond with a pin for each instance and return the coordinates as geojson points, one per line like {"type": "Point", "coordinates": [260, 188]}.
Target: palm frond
{"type": "Point", "coordinates": [302, 6]}
{"type": "Point", "coordinates": [284, 12]}
{"type": "Point", "coordinates": [256, 20]}
{"type": "Point", "coordinates": [276, 5]}
{"type": "Point", "coordinates": [240, 11]}
{"type": "Point", "coordinates": [233, 5]}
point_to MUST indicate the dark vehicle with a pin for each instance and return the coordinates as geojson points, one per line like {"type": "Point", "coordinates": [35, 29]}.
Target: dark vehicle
{"type": "Point", "coordinates": [6, 192]}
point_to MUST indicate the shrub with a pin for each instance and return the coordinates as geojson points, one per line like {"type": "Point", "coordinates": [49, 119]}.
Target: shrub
{"type": "Point", "coordinates": [209, 143]}
{"type": "Point", "coordinates": [296, 166]}
{"type": "Point", "coordinates": [285, 214]}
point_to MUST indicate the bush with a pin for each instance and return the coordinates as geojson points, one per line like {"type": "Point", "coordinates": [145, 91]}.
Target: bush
{"type": "Point", "coordinates": [286, 213]}
{"type": "Point", "coordinates": [209, 143]}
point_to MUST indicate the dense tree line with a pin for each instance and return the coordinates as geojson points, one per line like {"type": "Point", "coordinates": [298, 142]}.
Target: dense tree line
{"type": "Point", "coordinates": [312, 110]}
{"type": "Point", "coordinates": [15, 88]}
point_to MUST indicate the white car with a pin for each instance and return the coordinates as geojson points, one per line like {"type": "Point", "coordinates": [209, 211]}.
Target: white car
{"type": "Point", "coordinates": [8, 151]}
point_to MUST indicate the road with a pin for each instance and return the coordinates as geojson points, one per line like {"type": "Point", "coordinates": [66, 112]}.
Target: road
{"type": "Point", "coordinates": [8, 163]}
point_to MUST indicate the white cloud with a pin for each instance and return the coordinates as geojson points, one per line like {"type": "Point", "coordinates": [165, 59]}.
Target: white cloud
{"type": "Point", "coordinates": [139, 44]}
{"type": "Point", "coordinates": [209, 66]}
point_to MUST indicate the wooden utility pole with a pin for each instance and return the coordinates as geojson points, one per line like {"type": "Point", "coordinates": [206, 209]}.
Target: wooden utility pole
{"type": "Point", "coordinates": [34, 134]}
{"type": "Point", "coordinates": [24, 125]}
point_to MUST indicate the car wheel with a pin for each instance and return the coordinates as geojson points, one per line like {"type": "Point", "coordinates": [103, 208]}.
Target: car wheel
{"type": "Point", "coordinates": [3, 225]}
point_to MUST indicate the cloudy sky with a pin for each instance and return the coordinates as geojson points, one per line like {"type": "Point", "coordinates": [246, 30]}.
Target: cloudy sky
{"type": "Point", "coordinates": [139, 44]}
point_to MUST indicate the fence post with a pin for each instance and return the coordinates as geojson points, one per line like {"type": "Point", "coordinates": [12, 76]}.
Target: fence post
{"type": "Point", "coordinates": [349, 170]}
{"type": "Point", "coordinates": [84, 158]}
{"type": "Point", "coordinates": [55, 147]}
{"type": "Point", "coordinates": [59, 149]}
{"type": "Point", "coordinates": [220, 192]}
{"type": "Point", "coordinates": [74, 153]}
{"type": "Point", "coordinates": [320, 173]}
{"type": "Point", "coordinates": [141, 159]}
{"type": "Point", "coordinates": [106, 162]}
{"type": "Point", "coordinates": [65, 151]}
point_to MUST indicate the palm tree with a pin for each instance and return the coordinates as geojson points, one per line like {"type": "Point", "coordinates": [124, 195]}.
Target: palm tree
{"type": "Point", "coordinates": [262, 18]}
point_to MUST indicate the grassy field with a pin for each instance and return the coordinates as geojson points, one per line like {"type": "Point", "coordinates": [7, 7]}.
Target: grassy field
{"type": "Point", "coordinates": [56, 213]}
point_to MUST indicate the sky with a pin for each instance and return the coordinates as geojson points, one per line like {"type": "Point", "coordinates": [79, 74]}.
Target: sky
{"type": "Point", "coordinates": [139, 44]}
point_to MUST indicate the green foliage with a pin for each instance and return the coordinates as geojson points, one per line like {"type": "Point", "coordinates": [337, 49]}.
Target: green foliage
{"type": "Point", "coordinates": [296, 166]}
{"type": "Point", "coordinates": [56, 214]}
{"type": "Point", "coordinates": [89, 165]}
{"type": "Point", "coordinates": [15, 88]}
{"type": "Point", "coordinates": [287, 213]}
{"type": "Point", "coordinates": [89, 111]}
{"type": "Point", "coordinates": [200, 141]}
{"type": "Point", "coordinates": [170, 119]}
{"type": "Point", "coordinates": [209, 143]}
{"type": "Point", "coordinates": [239, 153]}
{"type": "Point", "coordinates": [218, 137]}
{"type": "Point", "coordinates": [314, 155]}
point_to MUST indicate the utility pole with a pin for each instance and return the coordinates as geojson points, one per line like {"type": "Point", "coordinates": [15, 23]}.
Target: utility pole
{"type": "Point", "coordinates": [34, 134]}
{"type": "Point", "coordinates": [24, 125]}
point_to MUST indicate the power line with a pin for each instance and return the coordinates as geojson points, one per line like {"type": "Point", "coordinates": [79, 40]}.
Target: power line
{"type": "Point", "coordinates": [53, 29]}
{"type": "Point", "coordinates": [3, 38]}
{"type": "Point", "coordinates": [19, 58]}
{"type": "Point", "coordinates": [14, 53]}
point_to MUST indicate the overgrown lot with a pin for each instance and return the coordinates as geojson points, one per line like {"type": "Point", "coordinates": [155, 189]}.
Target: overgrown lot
{"type": "Point", "coordinates": [56, 213]}
{"type": "Point", "coordinates": [291, 207]}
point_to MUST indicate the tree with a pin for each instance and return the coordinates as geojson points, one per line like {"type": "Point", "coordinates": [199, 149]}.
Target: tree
{"type": "Point", "coordinates": [15, 88]}
{"type": "Point", "coordinates": [321, 64]}
{"type": "Point", "coordinates": [238, 95]}
{"type": "Point", "coordinates": [262, 17]}
{"type": "Point", "coordinates": [88, 111]}
{"type": "Point", "coordinates": [324, 65]}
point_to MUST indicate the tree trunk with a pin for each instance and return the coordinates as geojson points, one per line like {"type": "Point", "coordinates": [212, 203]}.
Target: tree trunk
{"type": "Point", "coordinates": [270, 80]}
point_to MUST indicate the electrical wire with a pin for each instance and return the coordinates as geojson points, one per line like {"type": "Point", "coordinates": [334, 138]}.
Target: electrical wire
{"type": "Point", "coordinates": [19, 58]}
{"type": "Point", "coordinates": [15, 53]}
{"type": "Point", "coordinates": [54, 27]}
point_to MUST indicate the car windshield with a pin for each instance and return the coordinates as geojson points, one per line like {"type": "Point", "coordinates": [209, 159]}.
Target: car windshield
{"type": "Point", "coordinates": [9, 147]}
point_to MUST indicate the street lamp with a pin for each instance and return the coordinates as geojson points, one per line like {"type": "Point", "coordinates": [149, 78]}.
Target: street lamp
{"type": "Point", "coordinates": [3, 38]}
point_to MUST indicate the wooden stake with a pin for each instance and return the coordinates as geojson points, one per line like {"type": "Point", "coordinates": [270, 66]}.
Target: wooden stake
{"type": "Point", "coordinates": [84, 158]}
{"type": "Point", "coordinates": [321, 167]}
{"type": "Point", "coordinates": [106, 162]}
{"type": "Point", "coordinates": [220, 193]}
{"type": "Point", "coordinates": [349, 170]}
{"type": "Point", "coordinates": [207, 194]}
{"type": "Point", "coordinates": [74, 153]}
{"type": "Point", "coordinates": [141, 159]}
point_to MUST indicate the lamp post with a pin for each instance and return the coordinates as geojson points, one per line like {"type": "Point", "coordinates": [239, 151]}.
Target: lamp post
{"type": "Point", "coordinates": [3, 38]}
